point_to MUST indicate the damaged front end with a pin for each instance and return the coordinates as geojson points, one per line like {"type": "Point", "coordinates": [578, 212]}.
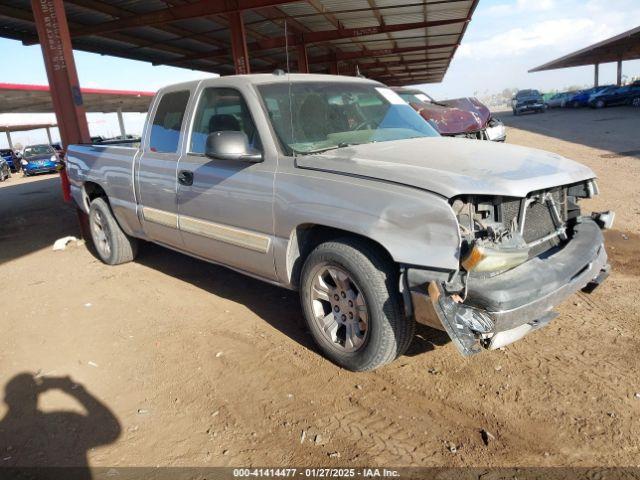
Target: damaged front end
{"type": "Point", "coordinates": [519, 258]}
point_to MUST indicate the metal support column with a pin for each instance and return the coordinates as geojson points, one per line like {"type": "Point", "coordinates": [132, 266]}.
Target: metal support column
{"type": "Point", "coordinates": [596, 75]}
{"type": "Point", "coordinates": [238, 43]}
{"type": "Point", "coordinates": [123, 132]}
{"type": "Point", "coordinates": [303, 61]}
{"type": "Point", "coordinates": [9, 139]}
{"type": "Point", "coordinates": [53, 32]}
{"type": "Point", "coordinates": [49, 135]}
{"type": "Point", "coordinates": [619, 76]}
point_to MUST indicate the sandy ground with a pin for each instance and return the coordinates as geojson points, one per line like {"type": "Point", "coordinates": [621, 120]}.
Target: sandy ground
{"type": "Point", "coordinates": [173, 361]}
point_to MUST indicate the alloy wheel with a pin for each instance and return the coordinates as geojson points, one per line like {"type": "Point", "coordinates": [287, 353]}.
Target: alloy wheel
{"type": "Point", "coordinates": [339, 308]}
{"type": "Point", "coordinates": [100, 238]}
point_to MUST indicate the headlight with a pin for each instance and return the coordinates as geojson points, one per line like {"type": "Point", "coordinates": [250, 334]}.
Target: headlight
{"type": "Point", "coordinates": [24, 163]}
{"type": "Point", "coordinates": [53, 158]}
{"type": "Point", "coordinates": [483, 259]}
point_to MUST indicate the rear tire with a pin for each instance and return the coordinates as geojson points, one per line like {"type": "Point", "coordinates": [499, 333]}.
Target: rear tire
{"type": "Point", "coordinates": [112, 245]}
{"type": "Point", "coordinates": [374, 330]}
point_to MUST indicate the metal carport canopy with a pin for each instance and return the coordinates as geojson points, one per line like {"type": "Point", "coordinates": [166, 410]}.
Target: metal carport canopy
{"type": "Point", "coordinates": [625, 46]}
{"type": "Point", "coordinates": [398, 41]}
{"type": "Point", "coordinates": [20, 98]}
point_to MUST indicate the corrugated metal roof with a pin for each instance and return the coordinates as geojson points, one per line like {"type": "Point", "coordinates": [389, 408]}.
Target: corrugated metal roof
{"type": "Point", "coordinates": [416, 39]}
{"type": "Point", "coordinates": [625, 46]}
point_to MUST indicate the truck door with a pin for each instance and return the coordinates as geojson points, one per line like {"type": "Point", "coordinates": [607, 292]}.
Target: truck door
{"type": "Point", "coordinates": [156, 173]}
{"type": "Point", "coordinates": [225, 206]}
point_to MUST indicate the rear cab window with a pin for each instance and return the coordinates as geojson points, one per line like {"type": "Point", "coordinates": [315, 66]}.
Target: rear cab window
{"type": "Point", "coordinates": [167, 122]}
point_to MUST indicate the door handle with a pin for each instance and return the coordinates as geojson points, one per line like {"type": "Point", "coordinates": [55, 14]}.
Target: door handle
{"type": "Point", "coordinates": [185, 177]}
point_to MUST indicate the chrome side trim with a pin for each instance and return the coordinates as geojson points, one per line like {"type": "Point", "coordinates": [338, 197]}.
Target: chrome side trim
{"type": "Point", "coordinates": [223, 233]}
{"type": "Point", "coordinates": [160, 217]}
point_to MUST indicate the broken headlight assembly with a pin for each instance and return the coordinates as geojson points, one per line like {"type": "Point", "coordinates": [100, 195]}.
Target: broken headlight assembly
{"type": "Point", "coordinates": [488, 259]}
{"type": "Point", "coordinates": [500, 233]}
{"type": "Point", "coordinates": [488, 244]}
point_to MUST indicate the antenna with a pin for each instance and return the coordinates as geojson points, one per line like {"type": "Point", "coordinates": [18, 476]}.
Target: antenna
{"type": "Point", "coordinates": [286, 47]}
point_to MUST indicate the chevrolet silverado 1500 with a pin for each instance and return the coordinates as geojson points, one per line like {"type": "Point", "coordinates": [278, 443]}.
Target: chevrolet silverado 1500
{"type": "Point", "coordinates": [335, 187]}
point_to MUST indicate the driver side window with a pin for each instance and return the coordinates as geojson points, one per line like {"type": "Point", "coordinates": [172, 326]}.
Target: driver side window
{"type": "Point", "coordinates": [222, 109]}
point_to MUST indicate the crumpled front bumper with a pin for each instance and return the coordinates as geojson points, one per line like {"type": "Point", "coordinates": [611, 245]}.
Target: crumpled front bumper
{"type": "Point", "coordinates": [520, 300]}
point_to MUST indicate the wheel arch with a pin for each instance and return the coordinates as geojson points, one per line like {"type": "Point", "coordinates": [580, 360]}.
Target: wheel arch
{"type": "Point", "coordinates": [305, 237]}
{"type": "Point", "coordinates": [90, 191]}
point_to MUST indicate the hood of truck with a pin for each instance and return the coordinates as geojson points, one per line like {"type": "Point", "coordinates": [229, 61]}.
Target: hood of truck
{"type": "Point", "coordinates": [452, 166]}
{"type": "Point", "coordinates": [451, 117]}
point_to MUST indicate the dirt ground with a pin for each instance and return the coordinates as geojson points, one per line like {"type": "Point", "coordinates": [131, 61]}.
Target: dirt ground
{"type": "Point", "coordinates": [173, 361]}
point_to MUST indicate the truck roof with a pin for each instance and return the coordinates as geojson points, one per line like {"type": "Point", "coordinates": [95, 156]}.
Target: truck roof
{"type": "Point", "coordinates": [271, 78]}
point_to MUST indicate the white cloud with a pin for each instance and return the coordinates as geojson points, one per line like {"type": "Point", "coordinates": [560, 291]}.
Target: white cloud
{"type": "Point", "coordinates": [520, 6]}
{"type": "Point", "coordinates": [536, 5]}
{"type": "Point", "coordinates": [561, 34]}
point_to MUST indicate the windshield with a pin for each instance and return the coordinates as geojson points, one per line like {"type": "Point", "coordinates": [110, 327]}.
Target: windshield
{"type": "Point", "coordinates": [6, 153]}
{"type": "Point", "coordinates": [415, 97]}
{"type": "Point", "coordinates": [323, 116]}
{"type": "Point", "coordinates": [37, 150]}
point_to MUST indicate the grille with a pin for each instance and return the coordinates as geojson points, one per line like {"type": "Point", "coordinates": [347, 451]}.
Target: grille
{"type": "Point", "coordinates": [510, 210]}
{"type": "Point", "coordinates": [538, 220]}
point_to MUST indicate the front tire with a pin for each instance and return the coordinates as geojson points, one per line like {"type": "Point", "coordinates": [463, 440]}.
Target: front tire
{"type": "Point", "coordinates": [112, 245]}
{"type": "Point", "coordinates": [351, 304]}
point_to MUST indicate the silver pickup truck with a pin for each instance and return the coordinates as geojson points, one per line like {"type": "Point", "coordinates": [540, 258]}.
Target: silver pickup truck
{"type": "Point", "coordinates": [335, 187]}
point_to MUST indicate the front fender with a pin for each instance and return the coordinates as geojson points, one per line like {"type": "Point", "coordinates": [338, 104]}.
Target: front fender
{"type": "Point", "coordinates": [416, 227]}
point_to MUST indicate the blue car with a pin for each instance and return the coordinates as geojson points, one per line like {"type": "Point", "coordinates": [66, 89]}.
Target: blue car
{"type": "Point", "coordinates": [626, 95]}
{"type": "Point", "coordinates": [11, 158]}
{"type": "Point", "coordinates": [39, 159]}
{"type": "Point", "coordinates": [581, 98]}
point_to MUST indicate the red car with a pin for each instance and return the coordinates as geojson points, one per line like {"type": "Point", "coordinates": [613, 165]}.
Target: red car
{"type": "Point", "coordinates": [461, 117]}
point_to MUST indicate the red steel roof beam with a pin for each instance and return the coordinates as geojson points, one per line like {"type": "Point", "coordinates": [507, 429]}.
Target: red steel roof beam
{"type": "Point", "coordinates": [303, 62]}
{"type": "Point", "coordinates": [238, 43]}
{"type": "Point", "coordinates": [312, 37]}
{"type": "Point", "coordinates": [181, 12]}
{"type": "Point", "coordinates": [53, 32]}
{"type": "Point", "coordinates": [343, 33]}
{"type": "Point", "coordinates": [374, 53]}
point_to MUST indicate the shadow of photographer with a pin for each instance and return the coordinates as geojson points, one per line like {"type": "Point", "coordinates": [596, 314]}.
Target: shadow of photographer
{"type": "Point", "coordinates": [31, 438]}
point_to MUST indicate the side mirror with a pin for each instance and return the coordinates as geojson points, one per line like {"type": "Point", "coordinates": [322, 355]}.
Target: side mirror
{"type": "Point", "coordinates": [231, 145]}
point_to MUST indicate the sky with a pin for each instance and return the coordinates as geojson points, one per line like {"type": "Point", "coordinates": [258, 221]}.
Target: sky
{"type": "Point", "coordinates": [505, 39]}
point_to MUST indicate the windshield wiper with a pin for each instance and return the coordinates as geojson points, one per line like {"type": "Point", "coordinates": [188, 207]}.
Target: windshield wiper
{"type": "Point", "coordinates": [326, 149]}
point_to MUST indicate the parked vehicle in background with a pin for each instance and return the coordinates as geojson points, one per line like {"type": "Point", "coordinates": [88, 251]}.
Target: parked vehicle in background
{"type": "Point", "coordinates": [39, 159]}
{"type": "Point", "coordinates": [334, 186]}
{"type": "Point", "coordinates": [559, 100]}
{"type": "Point", "coordinates": [582, 97]}
{"type": "Point", "coordinates": [615, 96]}
{"type": "Point", "coordinates": [461, 117]}
{"type": "Point", "coordinates": [11, 158]}
{"type": "Point", "coordinates": [5, 170]}
{"type": "Point", "coordinates": [528, 101]}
